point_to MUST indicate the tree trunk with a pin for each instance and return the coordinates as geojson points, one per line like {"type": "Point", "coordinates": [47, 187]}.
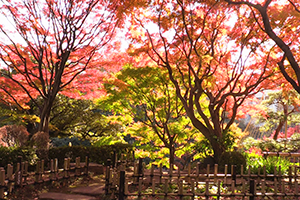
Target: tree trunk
{"type": "Point", "coordinates": [281, 122]}
{"type": "Point", "coordinates": [217, 147]}
{"type": "Point", "coordinates": [45, 116]}
{"type": "Point", "coordinates": [212, 136]}
{"type": "Point", "coordinates": [280, 125]}
{"type": "Point", "coordinates": [172, 155]}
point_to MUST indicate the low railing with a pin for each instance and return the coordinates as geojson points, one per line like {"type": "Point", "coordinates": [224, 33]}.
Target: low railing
{"type": "Point", "coordinates": [10, 180]}
{"type": "Point", "coordinates": [154, 183]}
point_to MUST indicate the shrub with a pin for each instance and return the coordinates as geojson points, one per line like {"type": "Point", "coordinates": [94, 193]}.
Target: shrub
{"type": "Point", "coordinates": [257, 162]}
{"type": "Point", "coordinates": [13, 135]}
{"type": "Point", "coordinates": [9, 155]}
{"type": "Point", "coordinates": [60, 142]}
{"type": "Point", "coordinates": [232, 158]}
{"type": "Point", "coordinates": [290, 145]}
{"type": "Point", "coordinates": [96, 154]}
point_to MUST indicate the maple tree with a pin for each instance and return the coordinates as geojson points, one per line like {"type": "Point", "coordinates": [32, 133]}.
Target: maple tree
{"type": "Point", "coordinates": [211, 61]}
{"type": "Point", "coordinates": [75, 117]}
{"type": "Point", "coordinates": [279, 20]}
{"type": "Point", "coordinates": [50, 47]}
{"type": "Point", "coordinates": [81, 118]}
{"type": "Point", "coordinates": [156, 117]}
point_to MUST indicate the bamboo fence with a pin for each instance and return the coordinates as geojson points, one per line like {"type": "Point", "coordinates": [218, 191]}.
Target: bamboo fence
{"type": "Point", "coordinates": [158, 183]}
{"type": "Point", "coordinates": [10, 180]}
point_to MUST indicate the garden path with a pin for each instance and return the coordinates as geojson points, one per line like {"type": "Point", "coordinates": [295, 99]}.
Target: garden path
{"type": "Point", "coordinates": [90, 188]}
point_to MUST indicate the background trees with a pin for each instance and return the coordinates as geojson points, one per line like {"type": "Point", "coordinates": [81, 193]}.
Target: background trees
{"type": "Point", "coordinates": [52, 44]}
{"type": "Point", "coordinates": [210, 61]}
{"type": "Point", "coordinates": [279, 108]}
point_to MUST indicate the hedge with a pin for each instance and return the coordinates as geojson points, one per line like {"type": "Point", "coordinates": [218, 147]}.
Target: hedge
{"type": "Point", "coordinates": [9, 155]}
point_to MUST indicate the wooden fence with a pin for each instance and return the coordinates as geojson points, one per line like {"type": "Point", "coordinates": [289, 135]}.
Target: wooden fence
{"type": "Point", "coordinates": [10, 180]}
{"type": "Point", "coordinates": [156, 183]}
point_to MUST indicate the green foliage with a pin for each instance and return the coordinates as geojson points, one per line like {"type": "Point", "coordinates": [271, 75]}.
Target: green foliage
{"type": "Point", "coordinates": [152, 112]}
{"type": "Point", "coordinates": [9, 155]}
{"type": "Point", "coordinates": [96, 154]}
{"type": "Point", "coordinates": [257, 162]}
{"type": "Point", "coordinates": [11, 115]}
{"type": "Point", "coordinates": [249, 142]}
{"type": "Point", "coordinates": [74, 141]}
{"type": "Point", "coordinates": [108, 140]}
{"type": "Point", "coordinates": [232, 158]}
{"type": "Point", "coordinates": [227, 140]}
{"type": "Point", "coordinates": [270, 145]}
{"type": "Point", "coordinates": [204, 147]}
{"type": "Point", "coordinates": [278, 106]}
{"type": "Point", "coordinates": [78, 117]}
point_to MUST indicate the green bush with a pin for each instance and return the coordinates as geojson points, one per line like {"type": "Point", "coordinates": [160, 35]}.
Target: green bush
{"type": "Point", "coordinates": [96, 154]}
{"type": "Point", "coordinates": [270, 145]}
{"type": "Point", "coordinates": [232, 158]}
{"type": "Point", "coordinates": [74, 141]}
{"type": "Point", "coordinates": [257, 162]}
{"type": "Point", "coordinates": [9, 155]}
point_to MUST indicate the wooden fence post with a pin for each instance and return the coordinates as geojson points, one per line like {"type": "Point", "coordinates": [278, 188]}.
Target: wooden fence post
{"type": "Point", "coordinates": [18, 173]}
{"type": "Point", "coordinates": [252, 189]}
{"type": "Point", "coordinates": [133, 156]}
{"type": "Point", "coordinates": [122, 186]}
{"type": "Point", "coordinates": [52, 170]}
{"type": "Point", "coordinates": [10, 169]}
{"type": "Point", "coordinates": [207, 189]}
{"type": "Point", "coordinates": [114, 159]}
{"type": "Point", "coordinates": [25, 172]}
{"type": "Point", "coordinates": [37, 172]}
{"type": "Point", "coordinates": [140, 169]}
{"type": "Point", "coordinates": [215, 173]}
{"type": "Point", "coordinates": [107, 175]}
{"type": "Point", "coordinates": [152, 173]}
{"type": "Point", "coordinates": [180, 189]}
{"type": "Point", "coordinates": [166, 187]}
{"type": "Point", "coordinates": [77, 166]}
{"type": "Point", "coordinates": [87, 163]}
{"type": "Point", "coordinates": [160, 173]}
{"type": "Point", "coordinates": [42, 169]}
{"type": "Point", "coordinates": [225, 174]}
{"type": "Point", "coordinates": [66, 168]}
{"type": "Point", "coordinates": [55, 167]}
{"type": "Point", "coordinates": [233, 174]}
{"type": "Point", "coordinates": [2, 182]}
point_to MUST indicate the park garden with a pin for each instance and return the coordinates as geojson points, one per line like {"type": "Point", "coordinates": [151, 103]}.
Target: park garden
{"type": "Point", "coordinates": [203, 91]}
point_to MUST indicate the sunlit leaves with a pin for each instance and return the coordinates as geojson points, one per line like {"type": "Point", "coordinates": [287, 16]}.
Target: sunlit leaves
{"type": "Point", "coordinates": [55, 46]}
{"type": "Point", "coordinates": [212, 62]}
{"type": "Point", "coordinates": [159, 123]}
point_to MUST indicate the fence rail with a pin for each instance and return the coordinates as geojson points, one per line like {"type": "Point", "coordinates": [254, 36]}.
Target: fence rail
{"type": "Point", "coordinates": [136, 181]}
{"type": "Point", "coordinates": [10, 180]}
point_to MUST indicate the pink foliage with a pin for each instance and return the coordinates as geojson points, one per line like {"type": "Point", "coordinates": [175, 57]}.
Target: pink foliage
{"type": "Point", "coordinates": [255, 150]}
{"type": "Point", "coordinates": [13, 135]}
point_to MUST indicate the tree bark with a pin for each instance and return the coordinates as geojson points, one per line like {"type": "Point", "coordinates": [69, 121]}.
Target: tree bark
{"type": "Point", "coordinates": [172, 155]}
{"type": "Point", "coordinates": [281, 122]}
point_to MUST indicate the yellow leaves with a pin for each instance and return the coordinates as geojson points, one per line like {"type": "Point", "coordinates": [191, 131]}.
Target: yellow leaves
{"type": "Point", "coordinates": [137, 32]}
{"type": "Point", "coordinates": [207, 59]}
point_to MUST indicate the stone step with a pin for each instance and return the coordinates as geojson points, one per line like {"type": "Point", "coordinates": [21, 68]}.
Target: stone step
{"type": "Point", "coordinates": [64, 196]}
{"type": "Point", "coordinates": [92, 190]}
